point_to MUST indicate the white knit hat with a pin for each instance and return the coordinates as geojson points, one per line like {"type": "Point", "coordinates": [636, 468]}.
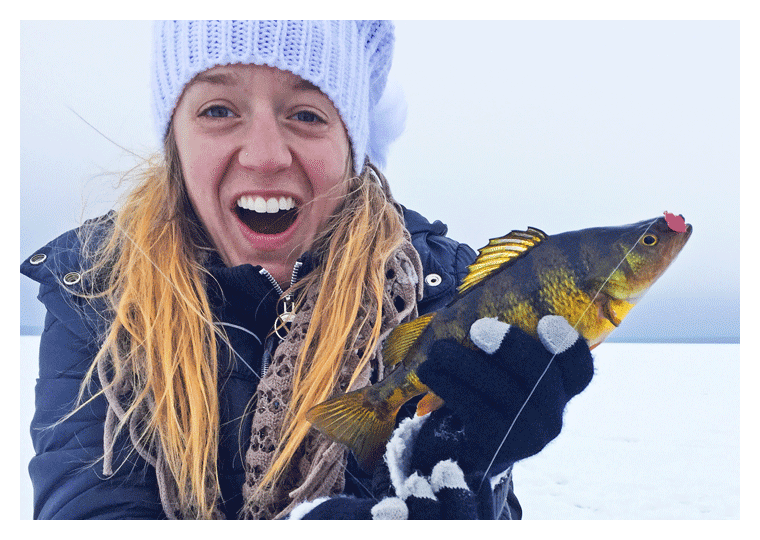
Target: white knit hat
{"type": "Point", "coordinates": [348, 60]}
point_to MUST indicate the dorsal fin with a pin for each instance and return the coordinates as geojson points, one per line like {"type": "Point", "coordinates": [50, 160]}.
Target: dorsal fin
{"type": "Point", "coordinates": [498, 252]}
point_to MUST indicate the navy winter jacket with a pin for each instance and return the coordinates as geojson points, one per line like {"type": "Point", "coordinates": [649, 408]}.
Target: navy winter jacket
{"type": "Point", "coordinates": [66, 473]}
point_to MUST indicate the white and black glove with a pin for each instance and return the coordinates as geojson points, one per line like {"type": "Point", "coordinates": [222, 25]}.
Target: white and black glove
{"type": "Point", "coordinates": [486, 390]}
{"type": "Point", "coordinates": [400, 493]}
{"type": "Point", "coordinates": [430, 461]}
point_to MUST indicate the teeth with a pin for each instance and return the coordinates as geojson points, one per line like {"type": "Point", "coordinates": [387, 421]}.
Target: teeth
{"type": "Point", "coordinates": [264, 206]}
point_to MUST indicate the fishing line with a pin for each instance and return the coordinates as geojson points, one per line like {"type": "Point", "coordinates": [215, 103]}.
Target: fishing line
{"type": "Point", "coordinates": [106, 137]}
{"type": "Point", "coordinates": [485, 474]}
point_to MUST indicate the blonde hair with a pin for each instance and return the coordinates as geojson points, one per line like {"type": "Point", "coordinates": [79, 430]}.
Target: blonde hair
{"type": "Point", "coordinates": [353, 253]}
{"type": "Point", "coordinates": [150, 271]}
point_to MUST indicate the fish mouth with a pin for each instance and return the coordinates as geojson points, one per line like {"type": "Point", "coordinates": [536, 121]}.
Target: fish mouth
{"type": "Point", "coordinates": [688, 232]}
{"type": "Point", "coordinates": [273, 215]}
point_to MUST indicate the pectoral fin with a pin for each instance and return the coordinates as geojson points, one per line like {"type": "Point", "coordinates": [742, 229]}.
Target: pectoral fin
{"type": "Point", "coordinates": [429, 403]}
{"type": "Point", "coordinates": [616, 310]}
{"type": "Point", "coordinates": [402, 338]}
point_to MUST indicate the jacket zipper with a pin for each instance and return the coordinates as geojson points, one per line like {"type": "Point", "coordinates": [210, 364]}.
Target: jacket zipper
{"type": "Point", "coordinates": [282, 324]}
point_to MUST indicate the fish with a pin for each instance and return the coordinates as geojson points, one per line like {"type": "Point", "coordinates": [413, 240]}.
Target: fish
{"type": "Point", "coordinates": [592, 277]}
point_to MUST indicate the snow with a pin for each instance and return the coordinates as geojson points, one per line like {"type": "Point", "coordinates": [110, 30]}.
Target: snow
{"type": "Point", "coordinates": [655, 436]}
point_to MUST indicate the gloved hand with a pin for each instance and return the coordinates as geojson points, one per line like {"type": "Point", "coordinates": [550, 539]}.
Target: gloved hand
{"type": "Point", "coordinates": [484, 390]}
{"type": "Point", "coordinates": [400, 493]}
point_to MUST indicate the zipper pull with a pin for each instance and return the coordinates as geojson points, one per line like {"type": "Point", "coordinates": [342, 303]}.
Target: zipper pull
{"type": "Point", "coordinates": [282, 324]}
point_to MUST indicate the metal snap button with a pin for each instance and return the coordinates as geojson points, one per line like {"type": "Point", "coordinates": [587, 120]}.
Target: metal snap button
{"type": "Point", "coordinates": [38, 258]}
{"type": "Point", "coordinates": [433, 280]}
{"type": "Point", "coordinates": [72, 278]}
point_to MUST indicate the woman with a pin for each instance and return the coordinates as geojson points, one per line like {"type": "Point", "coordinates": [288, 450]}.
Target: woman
{"type": "Point", "coordinates": [251, 274]}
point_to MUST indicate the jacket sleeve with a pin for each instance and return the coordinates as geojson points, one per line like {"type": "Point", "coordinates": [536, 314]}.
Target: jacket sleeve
{"type": "Point", "coordinates": [444, 260]}
{"type": "Point", "coordinates": [67, 470]}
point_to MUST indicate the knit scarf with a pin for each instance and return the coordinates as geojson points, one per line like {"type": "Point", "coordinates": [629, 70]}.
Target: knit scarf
{"type": "Point", "coordinates": [318, 467]}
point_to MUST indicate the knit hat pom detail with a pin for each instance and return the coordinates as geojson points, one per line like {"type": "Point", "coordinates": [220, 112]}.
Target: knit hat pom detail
{"type": "Point", "coordinates": [387, 122]}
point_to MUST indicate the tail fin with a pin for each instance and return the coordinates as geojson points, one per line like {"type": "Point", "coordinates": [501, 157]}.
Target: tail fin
{"type": "Point", "coordinates": [351, 419]}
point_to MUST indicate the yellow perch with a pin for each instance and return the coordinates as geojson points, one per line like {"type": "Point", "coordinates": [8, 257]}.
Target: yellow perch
{"type": "Point", "coordinates": [592, 277]}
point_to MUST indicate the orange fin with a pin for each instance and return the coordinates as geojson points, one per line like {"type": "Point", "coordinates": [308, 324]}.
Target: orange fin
{"type": "Point", "coordinates": [402, 338]}
{"type": "Point", "coordinates": [428, 403]}
{"type": "Point", "coordinates": [351, 419]}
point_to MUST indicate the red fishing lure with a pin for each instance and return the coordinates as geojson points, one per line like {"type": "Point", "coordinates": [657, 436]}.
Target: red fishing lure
{"type": "Point", "coordinates": [676, 223]}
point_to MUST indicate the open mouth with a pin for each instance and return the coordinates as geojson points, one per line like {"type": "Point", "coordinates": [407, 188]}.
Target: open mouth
{"type": "Point", "coordinates": [267, 216]}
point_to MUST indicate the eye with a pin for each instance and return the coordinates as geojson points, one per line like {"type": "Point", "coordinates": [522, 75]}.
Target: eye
{"type": "Point", "coordinates": [649, 240]}
{"type": "Point", "coordinates": [308, 117]}
{"type": "Point", "coordinates": [217, 111]}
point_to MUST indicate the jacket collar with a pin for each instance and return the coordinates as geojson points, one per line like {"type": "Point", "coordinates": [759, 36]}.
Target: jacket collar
{"type": "Point", "coordinates": [242, 294]}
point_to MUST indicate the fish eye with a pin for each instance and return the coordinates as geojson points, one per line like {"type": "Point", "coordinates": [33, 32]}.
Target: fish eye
{"type": "Point", "coordinates": [649, 240]}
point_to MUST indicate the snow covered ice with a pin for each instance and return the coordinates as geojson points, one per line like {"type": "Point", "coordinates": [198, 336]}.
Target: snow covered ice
{"type": "Point", "coordinates": [655, 436]}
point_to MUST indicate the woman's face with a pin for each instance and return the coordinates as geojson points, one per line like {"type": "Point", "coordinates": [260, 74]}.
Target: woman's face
{"type": "Point", "coordinates": [264, 155]}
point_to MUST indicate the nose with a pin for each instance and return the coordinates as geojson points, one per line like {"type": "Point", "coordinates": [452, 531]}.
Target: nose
{"type": "Point", "coordinates": [264, 148]}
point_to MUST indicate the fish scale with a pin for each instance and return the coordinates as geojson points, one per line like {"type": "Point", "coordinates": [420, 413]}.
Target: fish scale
{"type": "Point", "coordinates": [591, 277]}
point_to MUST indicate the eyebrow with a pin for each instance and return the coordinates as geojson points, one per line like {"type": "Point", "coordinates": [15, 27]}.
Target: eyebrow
{"type": "Point", "coordinates": [305, 85]}
{"type": "Point", "coordinates": [226, 79]}
{"type": "Point", "coordinates": [231, 79]}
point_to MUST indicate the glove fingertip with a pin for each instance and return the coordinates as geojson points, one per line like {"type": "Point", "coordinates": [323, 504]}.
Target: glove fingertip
{"type": "Point", "coordinates": [419, 498]}
{"type": "Point", "coordinates": [488, 334]}
{"type": "Point", "coordinates": [457, 500]}
{"type": "Point", "coordinates": [556, 334]}
{"type": "Point", "coordinates": [416, 486]}
{"type": "Point", "coordinates": [390, 508]}
{"type": "Point", "coordinates": [447, 474]}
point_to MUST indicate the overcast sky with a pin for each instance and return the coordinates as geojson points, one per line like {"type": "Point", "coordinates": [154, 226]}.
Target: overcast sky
{"type": "Point", "coordinates": [556, 125]}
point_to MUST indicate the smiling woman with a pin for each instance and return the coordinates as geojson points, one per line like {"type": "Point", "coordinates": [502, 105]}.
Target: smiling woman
{"type": "Point", "coordinates": [254, 134]}
{"type": "Point", "coordinates": [251, 274]}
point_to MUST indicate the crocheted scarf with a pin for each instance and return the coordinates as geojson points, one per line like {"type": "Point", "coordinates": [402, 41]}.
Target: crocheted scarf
{"type": "Point", "coordinates": [318, 467]}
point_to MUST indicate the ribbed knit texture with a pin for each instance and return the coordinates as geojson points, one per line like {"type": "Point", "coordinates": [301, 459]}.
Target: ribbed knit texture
{"type": "Point", "coordinates": [348, 60]}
